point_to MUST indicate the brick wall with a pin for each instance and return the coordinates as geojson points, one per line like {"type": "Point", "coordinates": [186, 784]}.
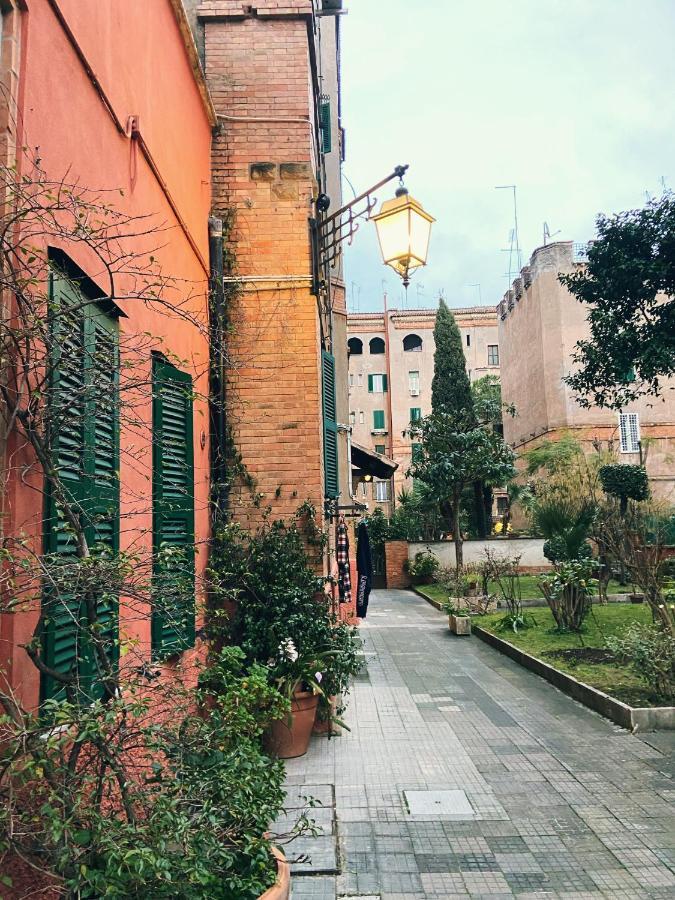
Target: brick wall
{"type": "Point", "coordinates": [258, 68]}
{"type": "Point", "coordinates": [396, 555]}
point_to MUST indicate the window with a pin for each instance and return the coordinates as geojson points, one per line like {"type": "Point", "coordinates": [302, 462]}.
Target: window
{"type": "Point", "coordinates": [416, 452]}
{"type": "Point", "coordinates": [359, 380]}
{"type": "Point", "coordinates": [414, 383]}
{"type": "Point", "coordinates": [382, 491]}
{"type": "Point", "coordinates": [502, 505]}
{"type": "Point", "coordinates": [362, 418]}
{"type": "Point", "coordinates": [377, 384]}
{"type": "Point", "coordinates": [468, 340]}
{"type": "Point", "coordinates": [173, 518]}
{"type": "Point", "coordinates": [330, 431]}
{"type": "Point", "coordinates": [324, 123]}
{"type": "Point", "coordinates": [352, 418]}
{"type": "Point", "coordinates": [83, 411]}
{"type": "Point", "coordinates": [629, 431]}
{"type": "Point", "coordinates": [355, 346]}
{"type": "Point", "coordinates": [376, 345]}
{"type": "Point", "coordinates": [378, 419]}
{"type": "Point", "coordinates": [380, 448]}
{"type": "Point", "coordinates": [363, 488]}
{"type": "Point", "coordinates": [415, 414]}
{"type": "Point", "coordinates": [493, 355]}
{"type": "Point", "coordinates": [412, 343]}
{"type": "Point", "coordinates": [351, 381]}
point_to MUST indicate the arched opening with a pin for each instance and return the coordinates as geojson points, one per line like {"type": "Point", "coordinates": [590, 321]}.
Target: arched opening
{"type": "Point", "coordinates": [376, 345]}
{"type": "Point", "coordinates": [412, 342]}
{"type": "Point", "coordinates": [355, 346]}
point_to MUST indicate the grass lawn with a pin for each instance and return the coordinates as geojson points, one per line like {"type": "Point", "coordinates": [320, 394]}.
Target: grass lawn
{"type": "Point", "coordinates": [528, 584]}
{"type": "Point", "coordinates": [612, 677]}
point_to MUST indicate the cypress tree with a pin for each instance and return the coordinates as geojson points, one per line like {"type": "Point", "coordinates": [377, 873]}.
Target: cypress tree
{"type": "Point", "coordinates": [451, 388]}
{"type": "Point", "coordinates": [451, 392]}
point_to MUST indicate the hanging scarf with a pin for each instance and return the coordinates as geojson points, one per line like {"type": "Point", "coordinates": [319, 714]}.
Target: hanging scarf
{"type": "Point", "coordinates": [344, 578]}
{"type": "Point", "coordinates": [364, 567]}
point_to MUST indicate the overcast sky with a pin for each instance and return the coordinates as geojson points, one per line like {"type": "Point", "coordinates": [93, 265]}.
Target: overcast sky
{"type": "Point", "coordinates": [571, 100]}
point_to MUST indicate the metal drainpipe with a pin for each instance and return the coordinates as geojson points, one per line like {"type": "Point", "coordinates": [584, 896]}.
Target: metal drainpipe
{"type": "Point", "coordinates": [218, 384]}
{"type": "Point", "coordinates": [389, 390]}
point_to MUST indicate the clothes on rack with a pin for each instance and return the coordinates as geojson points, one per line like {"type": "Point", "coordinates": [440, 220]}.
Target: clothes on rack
{"type": "Point", "coordinates": [344, 575]}
{"type": "Point", "coordinates": [364, 568]}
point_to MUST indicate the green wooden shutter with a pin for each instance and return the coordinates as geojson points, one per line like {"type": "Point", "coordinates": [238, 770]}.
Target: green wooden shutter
{"type": "Point", "coordinates": [330, 442]}
{"type": "Point", "coordinates": [84, 439]}
{"type": "Point", "coordinates": [380, 448]}
{"type": "Point", "coordinates": [416, 452]}
{"type": "Point", "coordinates": [173, 615]}
{"type": "Point", "coordinates": [415, 413]}
{"type": "Point", "coordinates": [324, 122]}
{"type": "Point", "coordinates": [378, 418]}
{"type": "Point", "coordinates": [384, 383]}
{"type": "Point", "coordinates": [370, 384]}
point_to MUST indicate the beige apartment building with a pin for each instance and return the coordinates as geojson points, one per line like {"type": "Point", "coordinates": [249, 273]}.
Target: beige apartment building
{"type": "Point", "coordinates": [391, 365]}
{"type": "Point", "coordinates": [539, 325]}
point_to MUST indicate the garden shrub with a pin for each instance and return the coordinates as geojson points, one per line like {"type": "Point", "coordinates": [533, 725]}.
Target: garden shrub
{"type": "Point", "coordinates": [651, 654]}
{"type": "Point", "coordinates": [625, 482]}
{"type": "Point", "coordinates": [569, 592]}
{"type": "Point", "coordinates": [120, 801]}
{"type": "Point", "coordinates": [423, 567]}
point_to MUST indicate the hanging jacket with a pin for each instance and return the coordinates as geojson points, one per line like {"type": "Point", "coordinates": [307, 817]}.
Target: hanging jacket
{"type": "Point", "coordinates": [364, 568]}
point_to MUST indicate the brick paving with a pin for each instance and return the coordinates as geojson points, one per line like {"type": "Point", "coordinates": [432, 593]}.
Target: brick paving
{"type": "Point", "coordinates": [562, 803]}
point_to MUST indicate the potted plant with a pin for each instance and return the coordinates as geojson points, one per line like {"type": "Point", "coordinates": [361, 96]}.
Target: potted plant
{"type": "Point", "coordinates": [281, 888]}
{"type": "Point", "coordinates": [297, 678]}
{"type": "Point", "coordinates": [458, 621]}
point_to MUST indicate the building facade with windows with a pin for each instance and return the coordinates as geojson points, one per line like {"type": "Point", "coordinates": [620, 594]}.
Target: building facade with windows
{"type": "Point", "coordinates": [391, 366]}
{"type": "Point", "coordinates": [539, 324]}
{"type": "Point", "coordinates": [120, 112]}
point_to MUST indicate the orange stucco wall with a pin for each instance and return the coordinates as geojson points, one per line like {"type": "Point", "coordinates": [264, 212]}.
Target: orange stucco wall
{"type": "Point", "coordinates": [137, 54]}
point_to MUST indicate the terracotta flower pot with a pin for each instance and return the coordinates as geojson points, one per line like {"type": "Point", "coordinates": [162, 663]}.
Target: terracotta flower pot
{"type": "Point", "coordinates": [281, 888]}
{"type": "Point", "coordinates": [288, 740]}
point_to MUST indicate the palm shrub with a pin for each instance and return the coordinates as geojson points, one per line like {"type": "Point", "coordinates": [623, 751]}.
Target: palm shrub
{"type": "Point", "coordinates": [566, 524]}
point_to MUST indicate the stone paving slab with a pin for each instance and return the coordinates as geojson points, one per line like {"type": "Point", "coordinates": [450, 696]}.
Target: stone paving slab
{"type": "Point", "coordinates": [566, 804]}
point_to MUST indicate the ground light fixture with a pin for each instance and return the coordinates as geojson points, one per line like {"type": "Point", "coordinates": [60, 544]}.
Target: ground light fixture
{"type": "Point", "coordinates": [403, 230]}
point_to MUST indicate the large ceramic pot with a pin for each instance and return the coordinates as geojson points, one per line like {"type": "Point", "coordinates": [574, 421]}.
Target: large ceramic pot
{"type": "Point", "coordinates": [288, 739]}
{"type": "Point", "coordinates": [281, 888]}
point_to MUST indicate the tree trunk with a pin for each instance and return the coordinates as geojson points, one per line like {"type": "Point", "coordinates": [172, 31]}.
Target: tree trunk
{"type": "Point", "coordinates": [457, 533]}
{"type": "Point", "coordinates": [479, 503]}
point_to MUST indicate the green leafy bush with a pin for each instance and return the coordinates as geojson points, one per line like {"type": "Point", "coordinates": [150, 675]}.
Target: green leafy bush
{"type": "Point", "coordinates": [651, 653]}
{"type": "Point", "coordinates": [569, 592]}
{"type": "Point", "coordinates": [121, 801]}
{"type": "Point", "coordinates": [423, 567]}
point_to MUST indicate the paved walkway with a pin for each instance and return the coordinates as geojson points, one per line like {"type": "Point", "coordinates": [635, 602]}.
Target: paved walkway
{"type": "Point", "coordinates": [558, 802]}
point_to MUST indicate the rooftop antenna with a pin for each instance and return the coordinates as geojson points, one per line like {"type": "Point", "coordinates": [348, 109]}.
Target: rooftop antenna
{"type": "Point", "coordinates": [480, 295]}
{"type": "Point", "coordinates": [547, 233]}
{"type": "Point", "coordinates": [664, 186]}
{"type": "Point", "coordinates": [514, 237]}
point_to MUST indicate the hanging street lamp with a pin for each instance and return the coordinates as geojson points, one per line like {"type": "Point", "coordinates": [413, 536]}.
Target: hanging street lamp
{"type": "Point", "coordinates": [403, 230]}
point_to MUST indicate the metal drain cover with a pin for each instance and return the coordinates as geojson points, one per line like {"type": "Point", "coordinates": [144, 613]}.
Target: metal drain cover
{"type": "Point", "coordinates": [448, 804]}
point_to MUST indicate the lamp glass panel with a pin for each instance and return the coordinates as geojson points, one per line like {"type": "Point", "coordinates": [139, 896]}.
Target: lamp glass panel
{"type": "Point", "coordinates": [392, 231]}
{"type": "Point", "coordinates": [420, 231]}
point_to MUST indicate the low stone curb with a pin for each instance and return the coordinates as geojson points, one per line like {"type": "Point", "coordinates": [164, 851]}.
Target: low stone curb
{"type": "Point", "coordinates": [613, 598]}
{"type": "Point", "coordinates": [657, 718]}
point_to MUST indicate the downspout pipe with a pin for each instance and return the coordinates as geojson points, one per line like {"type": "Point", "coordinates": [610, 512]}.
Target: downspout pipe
{"type": "Point", "coordinates": [218, 376]}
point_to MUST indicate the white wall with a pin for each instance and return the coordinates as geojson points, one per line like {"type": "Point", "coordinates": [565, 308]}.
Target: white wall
{"type": "Point", "coordinates": [529, 549]}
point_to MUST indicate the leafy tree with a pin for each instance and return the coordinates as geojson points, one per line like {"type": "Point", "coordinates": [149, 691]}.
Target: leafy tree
{"type": "Point", "coordinates": [452, 457]}
{"type": "Point", "coordinates": [629, 285]}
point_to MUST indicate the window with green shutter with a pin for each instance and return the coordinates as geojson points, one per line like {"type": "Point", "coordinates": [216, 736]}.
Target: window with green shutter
{"type": "Point", "coordinates": [416, 452]}
{"type": "Point", "coordinates": [378, 419]}
{"type": "Point", "coordinates": [381, 449]}
{"type": "Point", "coordinates": [324, 123]}
{"type": "Point", "coordinates": [83, 423]}
{"type": "Point", "coordinates": [377, 384]}
{"type": "Point", "coordinates": [330, 441]}
{"type": "Point", "coordinates": [415, 413]}
{"type": "Point", "coordinates": [173, 521]}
